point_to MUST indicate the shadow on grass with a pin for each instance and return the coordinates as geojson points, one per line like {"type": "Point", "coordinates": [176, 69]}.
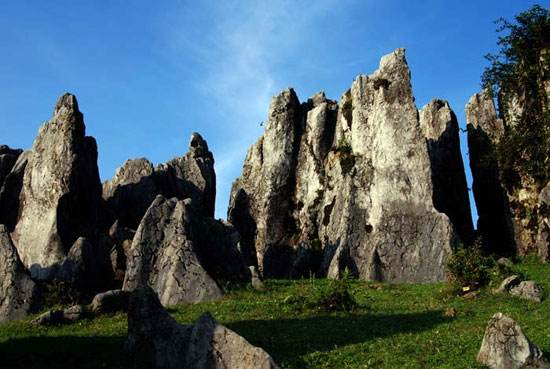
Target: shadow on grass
{"type": "Point", "coordinates": [289, 339]}
{"type": "Point", "coordinates": [63, 352]}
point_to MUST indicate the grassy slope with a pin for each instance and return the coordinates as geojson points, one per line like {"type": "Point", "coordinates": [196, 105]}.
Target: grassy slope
{"type": "Point", "coordinates": [401, 326]}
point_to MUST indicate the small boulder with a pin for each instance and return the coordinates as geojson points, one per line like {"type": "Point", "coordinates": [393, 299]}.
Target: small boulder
{"type": "Point", "coordinates": [505, 262]}
{"type": "Point", "coordinates": [507, 284]}
{"type": "Point", "coordinates": [527, 290]}
{"type": "Point", "coordinates": [505, 346]}
{"type": "Point", "coordinates": [110, 302]}
{"type": "Point", "coordinates": [256, 282]}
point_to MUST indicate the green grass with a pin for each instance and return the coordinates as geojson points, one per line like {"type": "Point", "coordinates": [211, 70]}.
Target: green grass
{"type": "Point", "coordinates": [397, 326]}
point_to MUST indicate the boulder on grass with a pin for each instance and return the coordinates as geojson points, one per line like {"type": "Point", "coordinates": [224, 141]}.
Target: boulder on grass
{"type": "Point", "coordinates": [505, 346]}
{"type": "Point", "coordinates": [156, 340]}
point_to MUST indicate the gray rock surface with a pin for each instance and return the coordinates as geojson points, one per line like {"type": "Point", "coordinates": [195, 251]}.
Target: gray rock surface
{"type": "Point", "coordinates": [505, 346]}
{"type": "Point", "coordinates": [60, 191]}
{"type": "Point", "coordinates": [495, 224]}
{"type": "Point", "coordinates": [256, 281]}
{"type": "Point", "coordinates": [136, 184]}
{"type": "Point", "coordinates": [527, 290]}
{"type": "Point", "coordinates": [17, 290]}
{"type": "Point", "coordinates": [450, 190]}
{"type": "Point", "coordinates": [156, 340]}
{"type": "Point", "coordinates": [508, 283]}
{"type": "Point", "coordinates": [182, 255]}
{"type": "Point", "coordinates": [349, 185]}
{"type": "Point", "coordinates": [110, 302]}
{"type": "Point", "coordinates": [8, 157]}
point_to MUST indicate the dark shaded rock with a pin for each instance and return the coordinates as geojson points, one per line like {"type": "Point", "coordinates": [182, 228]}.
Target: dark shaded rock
{"type": "Point", "coordinates": [110, 302]}
{"type": "Point", "coordinates": [119, 242]}
{"type": "Point", "coordinates": [17, 290]}
{"type": "Point", "coordinates": [136, 184]}
{"type": "Point", "coordinates": [8, 158]}
{"type": "Point", "coordinates": [156, 340]}
{"type": "Point", "coordinates": [182, 255]}
{"type": "Point", "coordinates": [505, 346]}
{"type": "Point", "coordinates": [59, 317]}
{"type": "Point", "coordinates": [450, 190]}
{"type": "Point", "coordinates": [543, 237]}
{"type": "Point", "coordinates": [349, 185]}
{"type": "Point", "coordinates": [60, 191]}
{"type": "Point", "coordinates": [484, 132]}
{"type": "Point", "coordinates": [10, 191]}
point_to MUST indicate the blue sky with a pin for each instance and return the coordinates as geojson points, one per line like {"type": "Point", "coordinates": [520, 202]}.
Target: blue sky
{"type": "Point", "coordinates": [148, 74]}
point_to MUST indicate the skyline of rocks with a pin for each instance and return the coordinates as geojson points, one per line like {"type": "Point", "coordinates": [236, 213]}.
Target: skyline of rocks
{"type": "Point", "coordinates": [370, 184]}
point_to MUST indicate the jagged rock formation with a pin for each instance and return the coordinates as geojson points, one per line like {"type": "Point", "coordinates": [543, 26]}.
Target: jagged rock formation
{"type": "Point", "coordinates": [136, 184]}
{"type": "Point", "coordinates": [509, 220]}
{"type": "Point", "coordinates": [182, 255]}
{"type": "Point", "coordinates": [484, 132]}
{"type": "Point", "coordinates": [17, 290]}
{"type": "Point", "coordinates": [505, 346]}
{"type": "Point", "coordinates": [8, 157]}
{"type": "Point", "coordinates": [156, 340]}
{"type": "Point", "coordinates": [53, 191]}
{"type": "Point", "coordinates": [333, 186]}
{"type": "Point", "coordinates": [450, 189]}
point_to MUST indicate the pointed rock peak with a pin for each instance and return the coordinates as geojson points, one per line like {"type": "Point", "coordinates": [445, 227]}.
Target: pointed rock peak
{"type": "Point", "coordinates": [66, 105]}
{"type": "Point", "coordinates": [481, 113]}
{"type": "Point", "coordinates": [435, 117]}
{"type": "Point", "coordinates": [286, 98]}
{"type": "Point", "coordinates": [317, 99]}
{"type": "Point", "coordinates": [198, 144]}
{"type": "Point", "coordinates": [394, 59]}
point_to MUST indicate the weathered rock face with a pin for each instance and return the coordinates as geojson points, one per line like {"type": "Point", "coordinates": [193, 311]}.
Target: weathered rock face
{"type": "Point", "coordinates": [136, 184]}
{"type": "Point", "coordinates": [60, 192]}
{"type": "Point", "coordinates": [17, 290]}
{"type": "Point", "coordinates": [329, 187]}
{"type": "Point", "coordinates": [8, 157]}
{"type": "Point", "coordinates": [450, 189]}
{"type": "Point", "coordinates": [156, 340]}
{"type": "Point", "coordinates": [484, 132]}
{"type": "Point", "coordinates": [179, 256]}
{"type": "Point", "coordinates": [505, 346]}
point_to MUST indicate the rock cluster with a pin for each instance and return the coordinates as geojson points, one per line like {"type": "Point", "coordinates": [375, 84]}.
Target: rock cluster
{"type": "Point", "coordinates": [156, 340]}
{"type": "Point", "coordinates": [138, 182]}
{"type": "Point", "coordinates": [505, 346]}
{"type": "Point", "coordinates": [358, 184]}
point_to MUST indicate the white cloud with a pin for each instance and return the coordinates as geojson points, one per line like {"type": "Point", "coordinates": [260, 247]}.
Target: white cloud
{"type": "Point", "coordinates": [239, 55]}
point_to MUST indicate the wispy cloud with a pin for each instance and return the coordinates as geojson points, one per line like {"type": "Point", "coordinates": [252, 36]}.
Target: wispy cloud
{"type": "Point", "coordinates": [246, 43]}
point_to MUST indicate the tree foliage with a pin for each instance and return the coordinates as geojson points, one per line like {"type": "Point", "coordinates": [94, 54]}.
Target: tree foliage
{"type": "Point", "coordinates": [518, 74]}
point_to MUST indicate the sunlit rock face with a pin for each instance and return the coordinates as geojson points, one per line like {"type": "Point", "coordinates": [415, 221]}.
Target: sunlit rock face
{"type": "Point", "coordinates": [56, 190]}
{"type": "Point", "coordinates": [352, 185]}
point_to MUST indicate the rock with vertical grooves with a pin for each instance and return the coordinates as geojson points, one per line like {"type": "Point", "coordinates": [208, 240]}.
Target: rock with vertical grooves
{"type": "Point", "coordinates": [17, 290]}
{"type": "Point", "coordinates": [349, 185]}
{"type": "Point", "coordinates": [450, 190]}
{"type": "Point", "coordinates": [156, 340]}
{"type": "Point", "coordinates": [136, 184]}
{"type": "Point", "coordinates": [266, 187]}
{"type": "Point", "coordinates": [505, 346]}
{"type": "Point", "coordinates": [484, 132]}
{"type": "Point", "coordinates": [182, 255]}
{"type": "Point", "coordinates": [60, 191]}
{"type": "Point", "coordinates": [8, 157]}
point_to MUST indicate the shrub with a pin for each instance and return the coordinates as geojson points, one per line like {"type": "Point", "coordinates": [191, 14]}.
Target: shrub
{"type": "Point", "coordinates": [336, 295]}
{"type": "Point", "coordinates": [469, 269]}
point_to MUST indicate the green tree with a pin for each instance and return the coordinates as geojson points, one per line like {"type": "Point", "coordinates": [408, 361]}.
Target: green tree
{"type": "Point", "coordinates": [521, 70]}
